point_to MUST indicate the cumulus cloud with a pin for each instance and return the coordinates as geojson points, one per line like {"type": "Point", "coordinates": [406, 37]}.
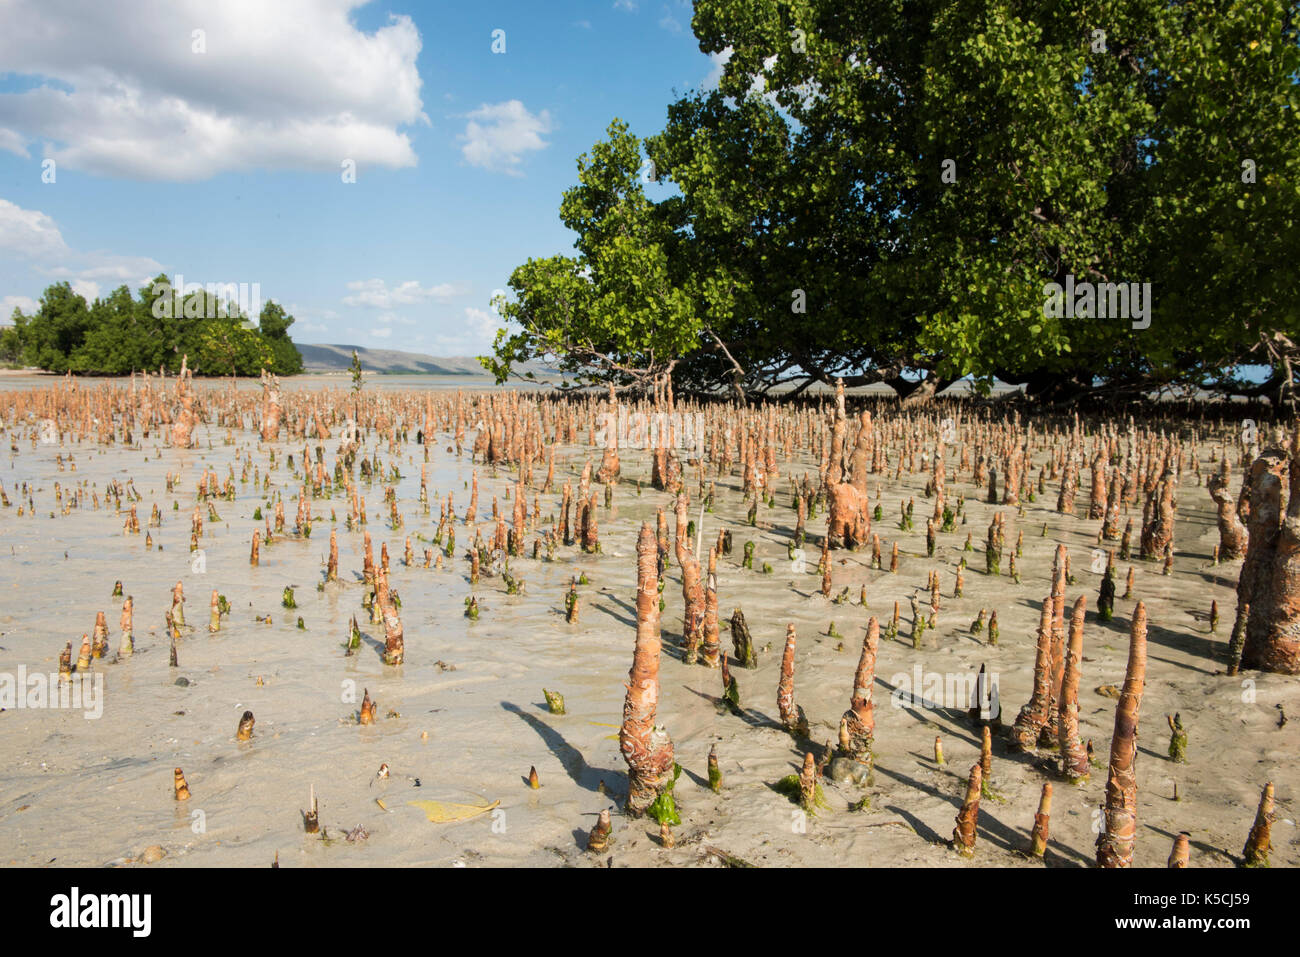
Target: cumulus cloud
{"type": "Point", "coordinates": [110, 268]}
{"type": "Point", "coordinates": [481, 327]}
{"type": "Point", "coordinates": [9, 303]}
{"type": "Point", "coordinates": [35, 237]}
{"type": "Point", "coordinates": [481, 321]}
{"type": "Point", "coordinates": [29, 233]}
{"type": "Point", "coordinates": [377, 293]}
{"type": "Point", "coordinates": [499, 134]}
{"type": "Point", "coordinates": [122, 89]}
{"type": "Point", "coordinates": [12, 142]}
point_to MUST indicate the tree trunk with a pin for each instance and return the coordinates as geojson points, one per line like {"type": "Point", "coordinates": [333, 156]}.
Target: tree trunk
{"type": "Point", "coordinates": [917, 394]}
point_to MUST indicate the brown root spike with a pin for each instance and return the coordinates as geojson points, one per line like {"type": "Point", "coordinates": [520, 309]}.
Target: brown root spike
{"type": "Point", "coordinates": [963, 835]}
{"type": "Point", "coordinates": [647, 750]}
{"type": "Point", "coordinates": [180, 786]}
{"type": "Point", "coordinates": [1116, 842]}
{"type": "Point", "coordinates": [1180, 854]}
{"type": "Point", "coordinates": [1074, 757]}
{"type": "Point", "coordinates": [1255, 853]}
{"type": "Point", "coordinates": [1270, 576]}
{"type": "Point", "coordinates": [1042, 821]}
{"type": "Point", "coordinates": [792, 716]}
{"type": "Point", "coordinates": [1033, 716]}
{"type": "Point", "coordinates": [859, 722]}
{"type": "Point", "coordinates": [598, 841]}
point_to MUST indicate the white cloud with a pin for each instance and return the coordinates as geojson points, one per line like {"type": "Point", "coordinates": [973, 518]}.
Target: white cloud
{"type": "Point", "coordinates": [86, 288]}
{"type": "Point", "coordinates": [719, 63]}
{"type": "Point", "coordinates": [472, 336]}
{"type": "Point", "coordinates": [499, 134]}
{"type": "Point", "coordinates": [381, 333]}
{"type": "Point", "coordinates": [626, 5]}
{"type": "Point", "coordinates": [669, 22]}
{"type": "Point", "coordinates": [132, 270]}
{"type": "Point", "coordinates": [12, 141]}
{"type": "Point", "coordinates": [34, 236]}
{"type": "Point", "coordinates": [9, 303]}
{"type": "Point", "coordinates": [289, 85]}
{"type": "Point", "coordinates": [29, 233]}
{"type": "Point", "coordinates": [482, 325]}
{"type": "Point", "coordinates": [303, 317]}
{"type": "Point", "coordinates": [304, 320]}
{"type": "Point", "coordinates": [376, 293]}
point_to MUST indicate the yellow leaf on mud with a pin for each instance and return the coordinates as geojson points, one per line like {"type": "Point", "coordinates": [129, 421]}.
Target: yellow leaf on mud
{"type": "Point", "coordinates": [439, 812]}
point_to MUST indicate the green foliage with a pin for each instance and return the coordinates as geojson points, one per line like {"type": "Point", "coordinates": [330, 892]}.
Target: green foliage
{"type": "Point", "coordinates": [1111, 158]}
{"type": "Point", "coordinates": [117, 334]}
{"type": "Point", "coordinates": [622, 309]}
{"type": "Point", "coordinates": [355, 368]}
{"type": "Point", "coordinates": [882, 190]}
{"type": "Point", "coordinates": [273, 324]}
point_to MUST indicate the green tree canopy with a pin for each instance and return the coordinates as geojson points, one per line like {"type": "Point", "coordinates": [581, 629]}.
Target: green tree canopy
{"type": "Point", "coordinates": [915, 176]}
{"type": "Point", "coordinates": [118, 334]}
{"type": "Point", "coordinates": [620, 309]}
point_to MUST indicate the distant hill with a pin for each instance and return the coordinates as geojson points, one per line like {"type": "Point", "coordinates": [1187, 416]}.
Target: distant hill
{"type": "Point", "coordinates": [338, 358]}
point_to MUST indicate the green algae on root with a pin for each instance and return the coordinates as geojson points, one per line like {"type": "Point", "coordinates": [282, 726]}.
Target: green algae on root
{"type": "Point", "coordinates": [789, 787]}
{"type": "Point", "coordinates": [663, 810]}
{"type": "Point", "coordinates": [1177, 739]}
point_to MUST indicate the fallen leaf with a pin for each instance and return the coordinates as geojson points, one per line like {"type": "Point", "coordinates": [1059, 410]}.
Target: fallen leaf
{"type": "Point", "coordinates": [439, 812]}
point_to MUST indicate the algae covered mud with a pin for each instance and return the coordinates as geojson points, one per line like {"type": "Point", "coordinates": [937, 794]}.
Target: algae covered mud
{"type": "Point", "coordinates": [826, 633]}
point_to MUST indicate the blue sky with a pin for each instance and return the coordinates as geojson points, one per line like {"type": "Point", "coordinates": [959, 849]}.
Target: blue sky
{"type": "Point", "coordinates": [219, 155]}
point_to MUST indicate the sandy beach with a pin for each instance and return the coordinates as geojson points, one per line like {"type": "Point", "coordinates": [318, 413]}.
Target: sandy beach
{"type": "Point", "coordinates": [463, 719]}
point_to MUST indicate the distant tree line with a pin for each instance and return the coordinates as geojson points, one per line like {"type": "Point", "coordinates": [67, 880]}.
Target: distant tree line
{"type": "Point", "coordinates": [885, 192]}
{"type": "Point", "coordinates": [118, 334]}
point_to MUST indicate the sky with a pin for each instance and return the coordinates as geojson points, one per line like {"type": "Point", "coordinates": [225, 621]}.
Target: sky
{"type": "Point", "coordinates": [216, 140]}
